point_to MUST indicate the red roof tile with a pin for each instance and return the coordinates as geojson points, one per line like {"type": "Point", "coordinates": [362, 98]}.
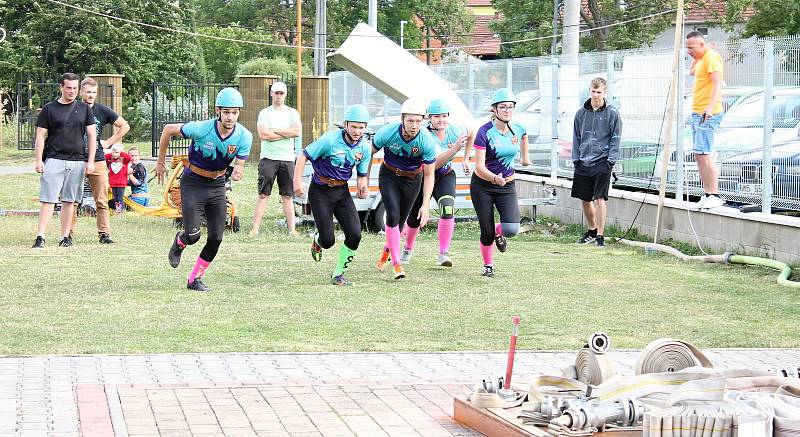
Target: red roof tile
{"type": "Point", "coordinates": [482, 35]}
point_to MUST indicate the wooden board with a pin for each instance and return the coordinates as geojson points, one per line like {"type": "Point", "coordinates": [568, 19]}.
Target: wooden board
{"type": "Point", "coordinates": [486, 422]}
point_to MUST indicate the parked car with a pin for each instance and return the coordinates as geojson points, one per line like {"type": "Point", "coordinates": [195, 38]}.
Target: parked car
{"type": "Point", "coordinates": [741, 176]}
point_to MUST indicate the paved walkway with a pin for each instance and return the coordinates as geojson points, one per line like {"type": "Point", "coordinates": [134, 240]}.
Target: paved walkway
{"type": "Point", "coordinates": [274, 394]}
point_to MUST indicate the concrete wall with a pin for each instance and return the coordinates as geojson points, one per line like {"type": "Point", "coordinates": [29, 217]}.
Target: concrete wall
{"type": "Point", "coordinates": [719, 231]}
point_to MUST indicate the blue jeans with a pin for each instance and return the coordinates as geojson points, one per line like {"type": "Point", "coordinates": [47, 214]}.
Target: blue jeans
{"type": "Point", "coordinates": [703, 133]}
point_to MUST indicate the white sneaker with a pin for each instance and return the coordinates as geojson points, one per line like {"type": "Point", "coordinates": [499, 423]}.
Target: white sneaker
{"type": "Point", "coordinates": [405, 257]}
{"type": "Point", "coordinates": [444, 259]}
{"type": "Point", "coordinates": [702, 202]}
{"type": "Point", "coordinates": [713, 202]}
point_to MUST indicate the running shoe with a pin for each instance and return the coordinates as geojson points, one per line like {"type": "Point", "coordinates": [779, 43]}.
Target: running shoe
{"type": "Point", "coordinates": [174, 254]}
{"type": "Point", "coordinates": [444, 259]}
{"type": "Point", "coordinates": [197, 285]}
{"type": "Point", "coordinates": [383, 259]}
{"type": "Point", "coordinates": [341, 281]}
{"type": "Point", "coordinates": [399, 273]}
{"type": "Point", "coordinates": [405, 257]}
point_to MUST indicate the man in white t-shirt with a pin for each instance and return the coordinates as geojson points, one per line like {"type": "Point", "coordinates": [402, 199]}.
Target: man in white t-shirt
{"type": "Point", "coordinates": [278, 128]}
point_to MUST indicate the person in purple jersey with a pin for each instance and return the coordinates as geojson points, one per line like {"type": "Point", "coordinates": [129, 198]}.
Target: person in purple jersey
{"type": "Point", "coordinates": [450, 139]}
{"type": "Point", "coordinates": [409, 151]}
{"type": "Point", "coordinates": [216, 143]}
{"type": "Point", "coordinates": [333, 157]}
{"type": "Point", "coordinates": [497, 143]}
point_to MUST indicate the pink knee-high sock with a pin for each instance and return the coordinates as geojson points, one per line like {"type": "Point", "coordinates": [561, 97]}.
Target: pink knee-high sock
{"type": "Point", "coordinates": [393, 241]}
{"type": "Point", "coordinates": [498, 229]}
{"type": "Point", "coordinates": [486, 253]}
{"type": "Point", "coordinates": [446, 227]}
{"type": "Point", "coordinates": [411, 236]}
{"type": "Point", "coordinates": [199, 269]}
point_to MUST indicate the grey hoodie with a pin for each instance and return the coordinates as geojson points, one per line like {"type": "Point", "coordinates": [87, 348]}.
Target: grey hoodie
{"type": "Point", "coordinates": [596, 134]}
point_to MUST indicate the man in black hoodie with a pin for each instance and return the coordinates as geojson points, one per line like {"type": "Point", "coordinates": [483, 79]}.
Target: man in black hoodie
{"type": "Point", "coordinates": [595, 148]}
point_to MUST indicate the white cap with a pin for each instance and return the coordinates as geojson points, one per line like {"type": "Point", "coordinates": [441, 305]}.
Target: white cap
{"type": "Point", "coordinates": [116, 147]}
{"type": "Point", "coordinates": [278, 87]}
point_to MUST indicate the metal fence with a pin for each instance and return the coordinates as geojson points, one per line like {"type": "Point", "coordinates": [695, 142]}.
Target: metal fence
{"type": "Point", "coordinates": [32, 96]}
{"type": "Point", "coordinates": [762, 88]}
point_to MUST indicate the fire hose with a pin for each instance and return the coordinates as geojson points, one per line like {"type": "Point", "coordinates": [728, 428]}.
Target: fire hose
{"type": "Point", "coordinates": [727, 258]}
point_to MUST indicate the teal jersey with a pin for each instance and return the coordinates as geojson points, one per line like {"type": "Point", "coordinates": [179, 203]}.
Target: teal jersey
{"type": "Point", "coordinates": [333, 157]}
{"type": "Point", "coordinates": [402, 154]}
{"type": "Point", "coordinates": [451, 134]}
{"type": "Point", "coordinates": [209, 150]}
{"type": "Point", "coordinates": [500, 149]}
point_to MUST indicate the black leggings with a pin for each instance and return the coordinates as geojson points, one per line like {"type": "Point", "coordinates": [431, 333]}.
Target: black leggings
{"type": "Point", "coordinates": [398, 194]}
{"type": "Point", "coordinates": [485, 197]}
{"type": "Point", "coordinates": [328, 202]}
{"type": "Point", "coordinates": [445, 185]}
{"type": "Point", "coordinates": [203, 197]}
{"type": "Point", "coordinates": [118, 193]}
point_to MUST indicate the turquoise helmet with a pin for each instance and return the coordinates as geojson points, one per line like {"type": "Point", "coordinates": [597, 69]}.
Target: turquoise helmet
{"type": "Point", "coordinates": [357, 113]}
{"type": "Point", "coordinates": [229, 98]}
{"type": "Point", "coordinates": [503, 95]}
{"type": "Point", "coordinates": [438, 106]}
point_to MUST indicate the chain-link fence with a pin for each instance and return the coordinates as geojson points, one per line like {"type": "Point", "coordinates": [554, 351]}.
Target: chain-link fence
{"type": "Point", "coordinates": [761, 76]}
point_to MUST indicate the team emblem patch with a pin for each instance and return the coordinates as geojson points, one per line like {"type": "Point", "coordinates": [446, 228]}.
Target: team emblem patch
{"type": "Point", "coordinates": [414, 150]}
{"type": "Point", "coordinates": [359, 155]}
{"type": "Point", "coordinates": [231, 149]}
{"type": "Point", "coordinates": [514, 140]}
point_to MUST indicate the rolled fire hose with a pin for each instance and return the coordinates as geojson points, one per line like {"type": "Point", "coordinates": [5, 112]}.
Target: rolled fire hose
{"type": "Point", "coordinates": [668, 355]}
{"type": "Point", "coordinates": [729, 257]}
{"type": "Point", "coordinates": [592, 366]}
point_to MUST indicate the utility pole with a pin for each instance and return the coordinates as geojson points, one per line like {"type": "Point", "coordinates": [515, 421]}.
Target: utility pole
{"type": "Point", "coordinates": [428, 45]}
{"type": "Point", "coordinates": [402, 28]}
{"type": "Point", "coordinates": [372, 17]}
{"type": "Point", "coordinates": [320, 38]}
{"type": "Point", "coordinates": [570, 39]}
{"type": "Point", "coordinates": [299, 91]}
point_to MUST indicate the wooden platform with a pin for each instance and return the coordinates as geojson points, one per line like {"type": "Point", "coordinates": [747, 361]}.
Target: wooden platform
{"type": "Point", "coordinates": [495, 422]}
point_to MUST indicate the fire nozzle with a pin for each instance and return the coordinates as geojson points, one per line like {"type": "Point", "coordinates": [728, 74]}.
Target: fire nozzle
{"type": "Point", "coordinates": [506, 392]}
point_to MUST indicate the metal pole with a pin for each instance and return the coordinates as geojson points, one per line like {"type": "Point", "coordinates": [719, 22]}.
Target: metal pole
{"type": "Point", "coordinates": [320, 38]}
{"type": "Point", "coordinates": [554, 121]}
{"type": "Point", "coordinates": [402, 29]}
{"type": "Point", "coordinates": [299, 91]}
{"type": "Point", "coordinates": [428, 45]}
{"type": "Point", "coordinates": [372, 17]}
{"type": "Point", "coordinates": [555, 28]}
{"type": "Point", "coordinates": [766, 167]}
{"type": "Point", "coordinates": [680, 127]}
{"type": "Point", "coordinates": [509, 74]}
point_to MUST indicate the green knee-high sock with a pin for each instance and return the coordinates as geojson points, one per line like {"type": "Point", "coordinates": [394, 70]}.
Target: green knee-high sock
{"type": "Point", "coordinates": [346, 255]}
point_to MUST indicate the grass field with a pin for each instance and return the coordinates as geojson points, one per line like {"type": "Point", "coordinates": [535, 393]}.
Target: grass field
{"type": "Point", "coordinates": [269, 295]}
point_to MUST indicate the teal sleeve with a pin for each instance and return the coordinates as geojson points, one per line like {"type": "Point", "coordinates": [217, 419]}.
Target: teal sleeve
{"type": "Point", "coordinates": [428, 148]}
{"type": "Point", "coordinates": [315, 149]}
{"type": "Point", "coordinates": [363, 166]}
{"type": "Point", "coordinates": [381, 137]}
{"type": "Point", "coordinates": [192, 129]}
{"type": "Point", "coordinates": [247, 142]}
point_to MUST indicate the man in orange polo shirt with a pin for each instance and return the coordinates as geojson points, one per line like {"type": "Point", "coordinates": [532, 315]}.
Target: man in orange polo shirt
{"type": "Point", "coordinates": [707, 66]}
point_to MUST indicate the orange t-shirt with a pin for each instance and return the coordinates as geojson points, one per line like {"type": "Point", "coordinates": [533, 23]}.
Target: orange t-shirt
{"type": "Point", "coordinates": [703, 87]}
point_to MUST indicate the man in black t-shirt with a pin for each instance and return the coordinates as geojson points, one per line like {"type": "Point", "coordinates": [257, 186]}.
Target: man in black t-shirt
{"type": "Point", "coordinates": [62, 157]}
{"type": "Point", "coordinates": [98, 179]}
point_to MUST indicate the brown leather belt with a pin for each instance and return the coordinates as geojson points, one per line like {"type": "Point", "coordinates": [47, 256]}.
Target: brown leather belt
{"type": "Point", "coordinates": [411, 174]}
{"type": "Point", "coordinates": [331, 182]}
{"type": "Point", "coordinates": [206, 173]}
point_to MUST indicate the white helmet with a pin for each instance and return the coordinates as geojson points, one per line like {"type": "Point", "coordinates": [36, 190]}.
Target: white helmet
{"type": "Point", "coordinates": [414, 106]}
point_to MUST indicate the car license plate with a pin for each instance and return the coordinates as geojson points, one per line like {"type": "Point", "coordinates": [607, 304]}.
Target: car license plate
{"type": "Point", "coordinates": [688, 176]}
{"type": "Point", "coordinates": [748, 188]}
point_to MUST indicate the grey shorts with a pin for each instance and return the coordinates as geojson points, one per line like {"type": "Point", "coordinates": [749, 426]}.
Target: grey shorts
{"type": "Point", "coordinates": [61, 181]}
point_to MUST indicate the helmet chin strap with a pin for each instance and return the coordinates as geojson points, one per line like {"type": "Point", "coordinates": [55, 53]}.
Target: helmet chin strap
{"type": "Point", "coordinates": [507, 123]}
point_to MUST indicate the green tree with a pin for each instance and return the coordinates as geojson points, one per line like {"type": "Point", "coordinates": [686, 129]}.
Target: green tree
{"type": "Point", "coordinates": [223, 58]}
{"type": "Point", "coordinates": [774, 18]}
{"type": "Point", "coordinates": [277, 66]}
{"type": "Point", "coordinates": [537, 22]}
{"type": "Point", "coordinates": [46, 40]}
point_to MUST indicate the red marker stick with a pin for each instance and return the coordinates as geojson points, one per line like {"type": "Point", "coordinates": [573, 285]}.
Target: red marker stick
{"type": "Point", "coordinates": [512, 348]}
